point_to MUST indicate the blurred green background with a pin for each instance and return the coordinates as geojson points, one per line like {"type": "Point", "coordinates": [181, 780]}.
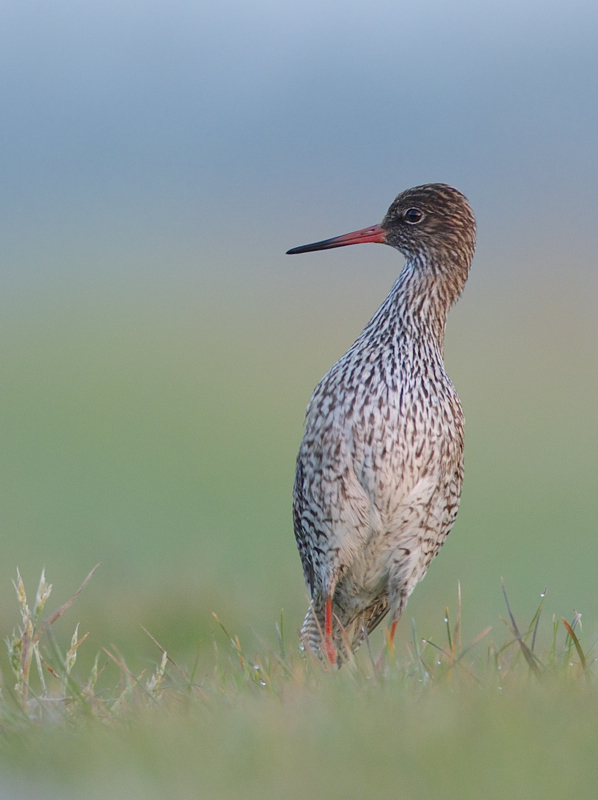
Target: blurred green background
{"type": "Point", "coordinates": [157, 349]}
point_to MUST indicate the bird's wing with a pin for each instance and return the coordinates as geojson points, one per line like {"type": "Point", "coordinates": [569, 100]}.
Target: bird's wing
{"type": "Point", "coordinates": [332, 517]}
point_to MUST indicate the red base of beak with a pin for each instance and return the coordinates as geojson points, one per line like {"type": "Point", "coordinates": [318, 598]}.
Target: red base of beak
{"type": "Point", "coordinates": [374, 233]}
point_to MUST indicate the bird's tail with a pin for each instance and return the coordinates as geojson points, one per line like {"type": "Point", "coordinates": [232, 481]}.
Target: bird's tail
{"type": "Point", "coordinates": [311, 634]}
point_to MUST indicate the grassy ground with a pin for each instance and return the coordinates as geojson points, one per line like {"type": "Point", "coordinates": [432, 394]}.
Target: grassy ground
{"type": "Point", "coordinates": [454, 718]}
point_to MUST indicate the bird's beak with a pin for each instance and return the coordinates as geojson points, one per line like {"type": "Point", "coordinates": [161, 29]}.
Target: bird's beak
{"type": "Point", "coordinates": [375, 233]}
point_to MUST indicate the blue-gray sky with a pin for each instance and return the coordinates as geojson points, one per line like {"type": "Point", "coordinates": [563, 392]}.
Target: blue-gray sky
{"type": "Point", "coordinates": [195, 122]}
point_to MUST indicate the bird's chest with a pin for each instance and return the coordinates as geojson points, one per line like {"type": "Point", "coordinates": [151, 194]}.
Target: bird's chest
{"type": "Point", "coordinates": [402, 422]}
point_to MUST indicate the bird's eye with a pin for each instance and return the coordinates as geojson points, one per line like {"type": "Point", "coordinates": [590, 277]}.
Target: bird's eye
{"type": "Point", "coordinates": [413, 216]}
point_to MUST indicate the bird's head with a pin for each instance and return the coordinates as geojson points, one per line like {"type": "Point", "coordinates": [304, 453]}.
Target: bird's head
{"type": "Point", "coordinates": [421, 222]}
{"type": "Point", "coordinates": [428, 220]}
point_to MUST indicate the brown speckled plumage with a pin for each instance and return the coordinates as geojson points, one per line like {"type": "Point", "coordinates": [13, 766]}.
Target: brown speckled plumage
{"type": "Point", "coordinates": [380, 467]}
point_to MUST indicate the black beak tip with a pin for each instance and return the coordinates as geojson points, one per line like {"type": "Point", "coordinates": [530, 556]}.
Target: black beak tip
{"type": "Point", "coordinates": [306, 248]}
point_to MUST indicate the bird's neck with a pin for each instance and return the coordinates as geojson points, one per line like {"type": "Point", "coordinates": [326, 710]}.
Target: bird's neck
{"type": "Point", "coordinates": [418, 304]}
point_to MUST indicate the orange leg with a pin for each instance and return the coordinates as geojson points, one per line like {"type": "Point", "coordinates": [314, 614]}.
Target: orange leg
{"type": "Point", "coordinates": [389, 644]}
{"type": "Point", "coordinates": [329, 647]}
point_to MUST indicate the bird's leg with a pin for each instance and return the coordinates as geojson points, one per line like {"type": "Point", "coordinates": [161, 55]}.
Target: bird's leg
{"type": "Point", "coordinates": [329, 647]}
{"type": "Point", "coordinates": [390, 635]}
{"type": "Point", "coordinates": [390, 648]}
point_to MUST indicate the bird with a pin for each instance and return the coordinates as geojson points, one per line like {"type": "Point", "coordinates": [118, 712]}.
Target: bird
{"type": "Point", "coordinates": [380, 467]}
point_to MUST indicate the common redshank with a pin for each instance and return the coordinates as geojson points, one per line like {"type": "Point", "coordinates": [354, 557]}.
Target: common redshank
{"type": "Point", "coordinates": [380, 467]}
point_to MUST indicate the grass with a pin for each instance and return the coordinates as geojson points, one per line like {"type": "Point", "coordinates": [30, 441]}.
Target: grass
{"type": "Point", "coordinates": [513, 711]}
